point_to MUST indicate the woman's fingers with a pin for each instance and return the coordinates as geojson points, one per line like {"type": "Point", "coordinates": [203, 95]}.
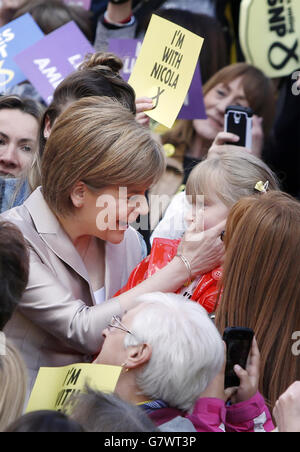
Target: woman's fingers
{"type": "Point", "coordinates": [143, 104]}
{"type": "Point", "coordinates": [204, 250]}
{"type": "Point", "coordinates": [225, 138]}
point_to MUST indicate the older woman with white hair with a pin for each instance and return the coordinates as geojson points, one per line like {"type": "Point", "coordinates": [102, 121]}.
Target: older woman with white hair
{"type": "Point", "coordinates": [173, 358]}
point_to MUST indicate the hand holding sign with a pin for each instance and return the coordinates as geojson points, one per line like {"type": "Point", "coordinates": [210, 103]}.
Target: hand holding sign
{"type": "Point", "coordinates": [165, 68]}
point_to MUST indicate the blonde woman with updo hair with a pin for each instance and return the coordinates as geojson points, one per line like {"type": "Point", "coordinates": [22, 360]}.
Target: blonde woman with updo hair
{"type": "Point", "coordinates": [98, 163]}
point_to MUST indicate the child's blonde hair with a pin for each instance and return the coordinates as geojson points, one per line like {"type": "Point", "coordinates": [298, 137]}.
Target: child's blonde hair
{"type": "Point", "coordinates": [231, 175]}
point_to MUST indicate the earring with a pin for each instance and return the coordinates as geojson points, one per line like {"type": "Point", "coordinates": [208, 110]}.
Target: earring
{"type": "Point", "coordinates": [125, 369]}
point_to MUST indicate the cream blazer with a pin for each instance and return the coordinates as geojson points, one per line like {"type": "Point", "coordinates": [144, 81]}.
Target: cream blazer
{"type": "Point", "coordinates": [57, 322]}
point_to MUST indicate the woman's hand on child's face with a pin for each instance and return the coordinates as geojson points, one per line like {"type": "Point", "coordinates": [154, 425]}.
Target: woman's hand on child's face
{"type": "Point", "coordinates": [249, 377]}
{"type": "Point", "coordinates": [204, 250]}
{"type": "Point", "coordinates": [143, 104]}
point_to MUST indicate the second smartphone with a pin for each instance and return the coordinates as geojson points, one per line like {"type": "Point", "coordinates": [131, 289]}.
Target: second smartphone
{"type": "Point", "coordinates": [238, 120]}
{"type": "Point", "coordinates": [238, 344]}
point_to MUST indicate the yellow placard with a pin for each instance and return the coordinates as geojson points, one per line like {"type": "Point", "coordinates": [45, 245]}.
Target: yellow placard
{"type": "Point", "coordinates": [269, 32]}
{"type": "Point", "coordinates": [165, 67]}
{"type": "Point", "coordinates": [54, 385]}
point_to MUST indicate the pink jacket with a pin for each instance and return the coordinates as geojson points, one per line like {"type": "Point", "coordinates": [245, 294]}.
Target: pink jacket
{"type": "Point", "coordinates": [212, 415]}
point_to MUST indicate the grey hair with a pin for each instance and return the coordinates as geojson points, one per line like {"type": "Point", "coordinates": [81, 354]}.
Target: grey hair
{"type": "Point", "coordinates": [187, 349]}
{"type": "Point", "coordinates": [97, 411]}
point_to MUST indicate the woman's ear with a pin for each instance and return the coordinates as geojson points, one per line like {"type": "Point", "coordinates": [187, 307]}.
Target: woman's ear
{"type": "Point", "coordinates": [47, 128]}
{"type": "Point", "coordinates": [77, 194]}
{"type": "Point", "coordinates": [138, 355]}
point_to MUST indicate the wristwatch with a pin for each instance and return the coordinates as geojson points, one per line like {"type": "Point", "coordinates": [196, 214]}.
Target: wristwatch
{"type": "Point", "coordinates": [118, 2]}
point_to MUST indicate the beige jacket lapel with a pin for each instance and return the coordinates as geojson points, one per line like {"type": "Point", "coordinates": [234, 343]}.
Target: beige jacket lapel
{"type": "Point", "coordinates": [120, 259]}
{"type": "Point", "coordinates": [51, 232]}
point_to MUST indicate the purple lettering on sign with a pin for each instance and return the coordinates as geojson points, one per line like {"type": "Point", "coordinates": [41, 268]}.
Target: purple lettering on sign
{"type": "Point", "coordinates": [50, 60]}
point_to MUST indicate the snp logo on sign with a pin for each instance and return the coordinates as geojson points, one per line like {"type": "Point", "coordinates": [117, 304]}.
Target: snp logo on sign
{"type": "Point", "coordinates": [2, 344]}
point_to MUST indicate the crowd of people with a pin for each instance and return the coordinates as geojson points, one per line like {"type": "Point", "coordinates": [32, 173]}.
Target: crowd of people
{"type": "Point", "coordinates": [79, 284]}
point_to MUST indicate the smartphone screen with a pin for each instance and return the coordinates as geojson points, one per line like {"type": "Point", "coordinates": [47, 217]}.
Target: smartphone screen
{"type": "Point", "coordinates": [238, 120]}
{"type": "Point", "coordinates": [237, 124]}
{"type": "Point", "coordinates": [238, 343]}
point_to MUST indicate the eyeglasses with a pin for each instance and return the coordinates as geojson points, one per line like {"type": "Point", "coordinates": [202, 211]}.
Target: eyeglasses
{"type": "Point", "coordinates": [116, 323]}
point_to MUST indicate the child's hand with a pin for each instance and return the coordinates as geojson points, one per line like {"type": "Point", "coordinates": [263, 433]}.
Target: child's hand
{"type": "Point", "coordinates": [143, 104]}
{"type": "Point", "coordinates": [287, 409]}
{"type": "Point", "coordinates": [249, 377]}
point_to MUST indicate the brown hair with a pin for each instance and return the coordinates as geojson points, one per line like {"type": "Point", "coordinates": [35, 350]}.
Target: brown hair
{"type": "Point", "coordinates": [25, 105]}
{"type": "Point", "coordinates": [259, 92]}
{"type": "Point", "coordinates": [14, 269]}
{"type": "Point", "coordinates": [261, 287]}
{"type": "Point", "coordinates": [98, 141]}
{"type": "Point", "coordinates": [98, 75]}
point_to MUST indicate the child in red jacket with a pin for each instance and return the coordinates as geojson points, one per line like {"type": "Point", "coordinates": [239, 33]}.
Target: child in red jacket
{"type": "Point", "coordinates": [213, 187]}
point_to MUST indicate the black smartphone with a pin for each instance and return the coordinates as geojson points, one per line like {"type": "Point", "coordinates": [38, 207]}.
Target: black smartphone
{"type": "Point", "coordinates": [238, 120]}
{"type": "Point", "coordinates": [238, 343]}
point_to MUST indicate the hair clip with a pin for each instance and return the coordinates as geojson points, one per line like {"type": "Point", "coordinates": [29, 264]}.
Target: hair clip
{"type": "Point", "coordinates": [262, 187]}
{"type": "Point", "coordinates": [169, 149]}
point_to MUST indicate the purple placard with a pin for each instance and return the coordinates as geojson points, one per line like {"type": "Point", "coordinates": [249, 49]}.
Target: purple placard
{"type": "Point", "coordinates": [86, 4]}
{"type": "Point", "coordinates": [16, 36]}
{"type": "Point", "coordinates": [128, 51]}
{"type": "Point", "coordinates": [193, 106]}
{"type": "Point", "coordinates": [50, 60]}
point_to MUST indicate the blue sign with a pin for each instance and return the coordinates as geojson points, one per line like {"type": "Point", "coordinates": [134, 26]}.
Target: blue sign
{"type": "Point", "coordinates": [15, 37]}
